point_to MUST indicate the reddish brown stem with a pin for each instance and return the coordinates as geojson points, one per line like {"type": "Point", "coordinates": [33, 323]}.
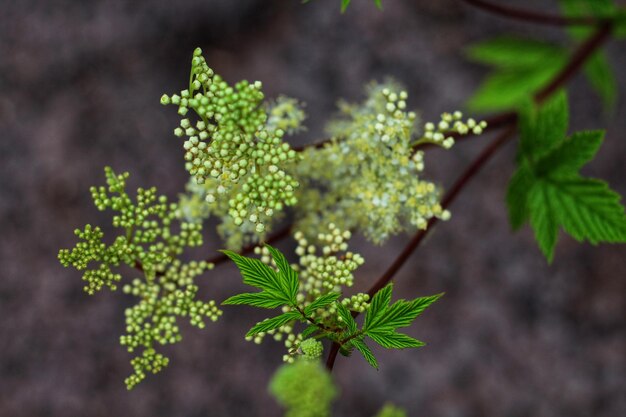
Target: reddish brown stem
{"type": "Point", "coordinates": [534, 17]}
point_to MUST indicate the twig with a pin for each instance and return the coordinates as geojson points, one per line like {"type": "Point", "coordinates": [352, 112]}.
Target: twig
{"type": "Point", "coordinates": [535, 17]}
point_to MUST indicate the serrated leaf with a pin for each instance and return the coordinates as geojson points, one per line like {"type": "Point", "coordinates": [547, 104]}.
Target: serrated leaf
{"type": "Point", "coordinates": [517, 195]}
{"type": "Point", "coordinates": [542, 220]}
{"type": "Point", "coordinates": [260, 299]}
{"type": "Point", "coordinates": [288, 277]}
{"type": "Point", "coordinates": [346, 317]}
{"type": "Point", "coordinates": [394, 340]}
{"type": "Point", "coordinates": [544, 128]}
{"type": "Point", "coordinates": [309, 331]}
{"type": "Point", "coordinates": [255, 272]}
{"type": "Point", "coordinates": [273, 323]}
{"type": "Point", "coordinates": [602, 78]}
{"type": "Point", "coordinates": [401, 313]}
{"type": "Point", "coordinates": [380, 301]}
{"type": "Point", "coordinates": [321, 302]}
{"type": "Point", "coordinates": [513, 53]}
{"type": "Point", "coordinates": [586, 208]}
{"type": "Point", "coordinates": [366, 352]}
{"type": "Point", "coordinates": [571, 155]}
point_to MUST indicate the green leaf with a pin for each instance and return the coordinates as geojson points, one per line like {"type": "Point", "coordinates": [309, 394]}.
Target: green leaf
{"type": "Point", "coordinates": [542, 220]}
{"type": "Point", "coordinates": [394, 340]}
{"type": "Point", "coordinates": [379, 4]}
{"type": "Point", "coordinates": [578, 8]}
{"type": "Point", "coordinates": [380, 302]}
{"type": "Point", "coordinates": [571, 155]}
{"type": "Point", "coordinates": [401, 313]}
{"type": "Point", "coordinates": [513, 53]}
{"type": "Point", "coordinates": [506, 89]}
{"type": "Point", "coordinates": [602, 78]}
{"type": "Point", "coordinates": [366, 352]}
{"type": "Point", "coordinates": [344, 5]}
{"type": "Point", "coordinates": [274, 323]}
{"type": "Point", "coordinates": [260, 299]}
{"type": "Point", "coordinates": [517, 195]}
{"type": "Point", "coordinates": [255, 272]}
{"type": "Point", "coordinates": [288, 277]}
{"type": "Point", "coordinates": [309, 331]}
{"type": "Point", "coordinates": [321, 302]}
{"type": "Point", "coordinates": [586, 208]}
{"type": "Point", "coordinates": [346, 317]}
{"type": "Point", "coordinates": [543, 128]}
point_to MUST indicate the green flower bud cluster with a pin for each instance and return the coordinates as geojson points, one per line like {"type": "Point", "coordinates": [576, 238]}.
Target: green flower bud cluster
{"type": "Point", "coordinates": [284, 333]}
{"type": "Point", "coordinates": [358, 302]}
{"type": "Point", "coordinates": [152, 238]}
{"type": "Point", "coordinates": [194, 209]}
{"type": "Point", "coordinates": [367, 177]}
{"type": "Point", "coordinates": [449, 123]}
{"type": "Point", "coordinates": [162, 301]}
{"type": "Point", "coordinates": [286, 114]}
{"type": "Point", "coordinates": [304, 388]}
{"type": "Point", "coordinates": [311, 349]}
{"type": "Point", "coordinates": [330, 270]}
{"type": "Point", "coordinates": [149, 361]}
{"type": "Point", "coordinates": [231, 149]}
{"type": "Point", "coordinates": [92, 249]}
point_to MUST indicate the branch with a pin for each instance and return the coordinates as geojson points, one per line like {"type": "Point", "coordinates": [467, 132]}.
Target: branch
{"type": "Point", "coordinates": [535, 17]}
{"type": "Point", "coordinates": [576, 61]}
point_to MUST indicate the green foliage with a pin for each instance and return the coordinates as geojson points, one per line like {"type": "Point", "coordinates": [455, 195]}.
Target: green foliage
{"type": "Point", "coordinates": [597, 8]}
{"type": "Point", "coordinates": [148, 239]}
{"type": "Point", "coordinates": [304, 388]}
{"type": "Point", "coordinates": [232, 150]}
{"type": "Point", "coordinates": [367, 177]}
{"type": "Point", "coordinates": [520, 67]}
{"type": "Point", "coordinates": [597, 68]}
{"type": "Point", "coordinates": [324, 313]}
{"type": "Point", "coordinates": [602, 78]}
{"type": "Point", "coordinates": [390, 410]}
{"type": "Point", "coordinates": [547, 189]}
{"type": "Point", "coordinates": [308, 292]}
{"type": "Point", "coordinates": [382, 321]}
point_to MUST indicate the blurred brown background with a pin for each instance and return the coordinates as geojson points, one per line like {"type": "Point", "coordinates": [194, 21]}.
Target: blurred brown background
{"type": "Point", "coordinates": [79, 88]}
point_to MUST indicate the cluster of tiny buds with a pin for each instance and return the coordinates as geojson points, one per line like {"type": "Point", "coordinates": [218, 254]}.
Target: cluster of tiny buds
{"type": "Point", "coordinates": [284, 333]}
{"type": "Point", "coordinates": [311, 349]}
{"type": "Point", "coordinates": [437, 134]}
{"type": "Point", "coordinates": [358, 302]}
{"type": "Point", "coordinates": [396, 101]}
{"type": "Point", "coordinates": [150, 361]}
{"type": "Point", "coordinates": [233, 148]}
{"type": "Point", "coordinates": [320, 274]}
{"type": "Point", "coordinates": [395, 108]}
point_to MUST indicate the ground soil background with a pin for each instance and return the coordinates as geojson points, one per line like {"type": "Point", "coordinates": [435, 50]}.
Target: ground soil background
{"type": "Point", "coordinates": [79, 89]}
